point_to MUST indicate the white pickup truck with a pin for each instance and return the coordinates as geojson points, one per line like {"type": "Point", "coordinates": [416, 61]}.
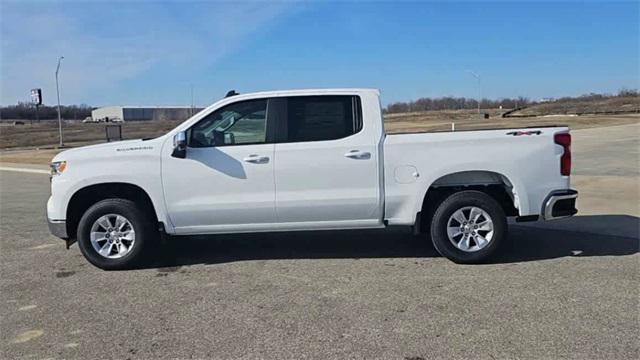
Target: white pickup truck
{"type": "Point", "coordinates": [307, 160]}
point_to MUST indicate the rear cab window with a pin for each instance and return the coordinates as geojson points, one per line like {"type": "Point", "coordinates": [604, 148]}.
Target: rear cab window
{"type": "Point", "coordinates": [320, 118]}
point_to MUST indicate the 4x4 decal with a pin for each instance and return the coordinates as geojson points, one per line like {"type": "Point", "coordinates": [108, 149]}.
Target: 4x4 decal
{"type": "Point", "coordinates": [520, 133]}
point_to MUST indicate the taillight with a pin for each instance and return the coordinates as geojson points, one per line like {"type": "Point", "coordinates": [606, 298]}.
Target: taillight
{"type": "Point", "coordinates": [564, 140]}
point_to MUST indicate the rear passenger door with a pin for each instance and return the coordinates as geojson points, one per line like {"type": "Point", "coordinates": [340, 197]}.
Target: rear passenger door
{"type": "Point", "coordinates": [326, 164]}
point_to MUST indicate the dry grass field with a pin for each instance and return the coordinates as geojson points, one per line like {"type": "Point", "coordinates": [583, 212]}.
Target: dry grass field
{"type": "Point", "coordinates": [30, 156]}
{"type": "Point", "coordinates": [581, 106]}
{"type": "Point", "coordinates": [431, 121]}
{"type": "Point", "coordinates": [45, 134]}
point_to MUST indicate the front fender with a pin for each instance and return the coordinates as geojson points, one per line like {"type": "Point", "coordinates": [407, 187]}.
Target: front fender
{"type": "Point", "coordinates": [141, 169]}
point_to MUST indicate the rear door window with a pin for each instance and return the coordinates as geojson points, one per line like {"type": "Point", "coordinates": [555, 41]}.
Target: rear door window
{"type": "Point", "coordinates": [320, 118]}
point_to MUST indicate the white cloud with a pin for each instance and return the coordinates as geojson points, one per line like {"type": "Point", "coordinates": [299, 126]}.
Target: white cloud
{"type": "Point", "coordinates": [107, 44]}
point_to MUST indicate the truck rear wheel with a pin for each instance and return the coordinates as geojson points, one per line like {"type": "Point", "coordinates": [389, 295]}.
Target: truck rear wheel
{"type": "Point", "coordinates": [468, 227]}
{"type": "Point", "coordinates": [113, 233]}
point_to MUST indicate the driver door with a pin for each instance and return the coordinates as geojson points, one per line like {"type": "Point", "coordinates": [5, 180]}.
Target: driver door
{"type": "Point", "coordinates": [226, 182]}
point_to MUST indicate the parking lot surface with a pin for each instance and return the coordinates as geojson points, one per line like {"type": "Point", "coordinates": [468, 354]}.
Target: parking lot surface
{"type": "Point", "coordinates": [563, 289]}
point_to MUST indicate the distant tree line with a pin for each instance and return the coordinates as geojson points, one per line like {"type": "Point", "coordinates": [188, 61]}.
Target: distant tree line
{"type": "Point", "coordinates": [460, 103]}
{"type": "Point", "coordinates": [27, 111]}
{"type": "Point", "coordinates": [596, 97]}
{"type": "Point", "coordinates": [454, 103]}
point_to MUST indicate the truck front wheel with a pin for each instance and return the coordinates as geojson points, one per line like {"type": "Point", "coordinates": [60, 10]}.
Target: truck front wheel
{"type": "Point", "coordinates": [468, 227]}
{"type": "Point", "coordinates": [113, 233]}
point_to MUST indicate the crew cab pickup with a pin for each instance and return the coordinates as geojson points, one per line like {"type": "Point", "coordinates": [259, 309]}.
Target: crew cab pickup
{"type": "Point", "coordinates": [307, 160]}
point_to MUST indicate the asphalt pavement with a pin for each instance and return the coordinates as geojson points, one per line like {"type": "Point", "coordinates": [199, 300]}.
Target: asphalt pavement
{"type": "Point", "coordinates": [563, 289]}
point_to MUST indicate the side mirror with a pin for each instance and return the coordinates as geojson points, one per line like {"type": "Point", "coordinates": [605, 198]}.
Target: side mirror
{"type": "Point", "coordinates": [180, 145]}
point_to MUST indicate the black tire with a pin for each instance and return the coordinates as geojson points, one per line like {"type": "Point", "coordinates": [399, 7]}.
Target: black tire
{"type": "Point", "coordinates": [140, 221]}
{"type": "Point", "coordinates": [459, 201]}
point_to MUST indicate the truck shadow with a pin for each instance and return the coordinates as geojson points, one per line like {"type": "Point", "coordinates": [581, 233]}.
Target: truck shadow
{"type": "Point", "coordinates": [580, 236]}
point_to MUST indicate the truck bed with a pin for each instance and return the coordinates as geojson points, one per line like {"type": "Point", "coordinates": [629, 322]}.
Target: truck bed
{"type": "Point", "coordinates": [467, 128]}
{"type": "Point", "coordinates": [526, 159]}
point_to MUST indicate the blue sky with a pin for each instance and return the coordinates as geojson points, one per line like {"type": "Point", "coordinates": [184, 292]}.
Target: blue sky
{"type": "Point", "coordinates": [152, 52]}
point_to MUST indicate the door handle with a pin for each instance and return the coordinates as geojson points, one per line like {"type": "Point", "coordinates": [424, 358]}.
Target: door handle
{"type": "Point", "coordinates": [256, 159]}
{"type": "Point", "coordinates": [357, 154]}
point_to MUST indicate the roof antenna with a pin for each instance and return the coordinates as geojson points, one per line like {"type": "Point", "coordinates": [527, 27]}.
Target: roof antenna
{"type": "Point", "coordinates": [231, 93]}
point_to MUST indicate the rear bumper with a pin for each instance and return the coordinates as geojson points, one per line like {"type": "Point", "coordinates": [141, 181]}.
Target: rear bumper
{"type": "Point", "coordinates": [58, 228]}
{"type": "Point", "coordinates": [560, 204]}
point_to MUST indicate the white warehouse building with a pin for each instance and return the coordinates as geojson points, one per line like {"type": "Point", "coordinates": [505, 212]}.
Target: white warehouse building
{"type": "Point", "coordinates": [143, 113]}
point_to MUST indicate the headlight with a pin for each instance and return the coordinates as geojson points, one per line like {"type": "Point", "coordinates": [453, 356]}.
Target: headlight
{"type": "Point", "coordinates": [58, 167]}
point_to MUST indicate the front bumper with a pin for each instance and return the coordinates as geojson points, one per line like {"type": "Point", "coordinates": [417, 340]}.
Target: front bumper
{"type": "Point", "coordinates": [560, 204]}
{"type": "Point", "coordinates": [58, 228]}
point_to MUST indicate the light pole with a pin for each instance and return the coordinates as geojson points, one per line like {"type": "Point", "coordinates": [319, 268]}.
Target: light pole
{"type": "Point", "coordinates": [58, 92]}
{"type": "Point", "coordinates": [479, 92]}
{"type": "Point", "coordinates": [191, 110]}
